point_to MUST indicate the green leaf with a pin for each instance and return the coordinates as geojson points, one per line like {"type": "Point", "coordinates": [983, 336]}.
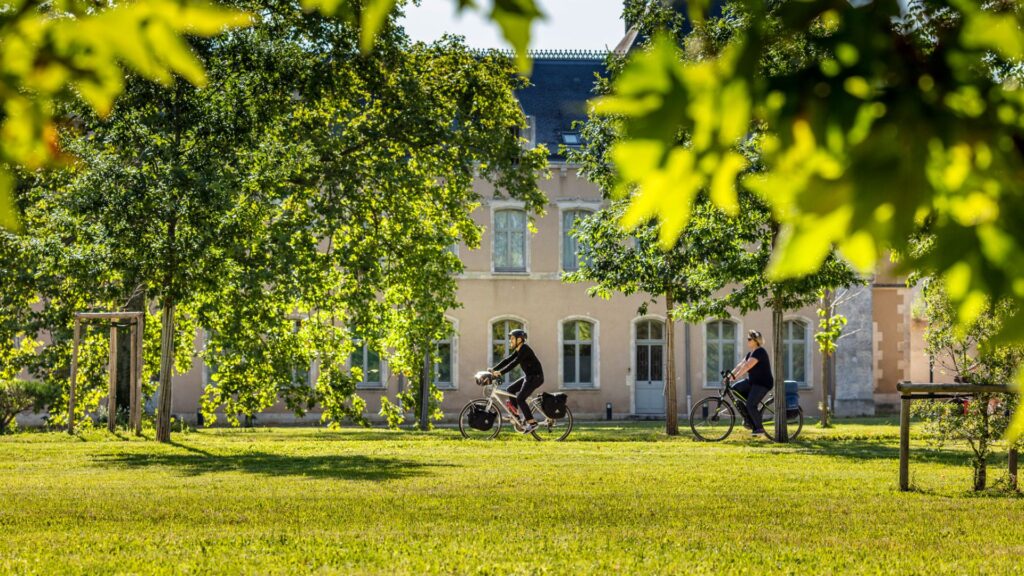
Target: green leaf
{"type": "Point", "coordinates": [374, 14]}
{"type": "Point", "coordinates": [515, 18]}
{"type": "Point", "coordinates": [8, 214]}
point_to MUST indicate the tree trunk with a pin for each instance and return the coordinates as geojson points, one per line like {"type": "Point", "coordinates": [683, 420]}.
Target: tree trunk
{"type": "Point", "coordinates": [832, 384]}
{"type": "Point", "coordinates": [163, 420]}
{"type": "Point", "coordinates": [671, 402]}
{"type": "Point", "coordinates": [826, 394]}
{"type": "Point", "coordinates": [826, 361]}
{"type": "Point", "coordinates": [980, 473]}
{"type": "Point", "coordinates": [425, 392]}
{"type": "Point", "coordinates": [781, 434]}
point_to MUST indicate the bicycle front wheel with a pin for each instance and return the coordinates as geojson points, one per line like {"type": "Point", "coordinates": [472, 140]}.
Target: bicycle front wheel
{"type": "Point", "coordinates": [472, 433]}
{"type": "Point", "coordinates": [712, 419]}
{"type": "Point", "coordinates": [555, 429]}
{"type": "Point", "coordinates": [794, 424]}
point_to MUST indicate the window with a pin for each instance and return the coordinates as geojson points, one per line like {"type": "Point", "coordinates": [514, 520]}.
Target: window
{"type": "Point", "coordinates": [301, 374]}
{"type": "Point", "coordinates": [571, 139]}
{"type": "Point", "coordinates": [720, 338]}
{"type": "Point", "coordinates": [794, 352]}
{"type": "Point", "coordinates": [570, 246]}
{"type": "Point", "coordinates": [578, 354]}
{"type": "Point", "coordinates": [368, 360]}
{"type": "Point", "coordinates": [443, 368]}
{"type": "Point", "coordinates": [510, 241]}
{"type": "Point", "coordinates": [499, 345]}
{"type": "Point", "coordinates": [650, 351]}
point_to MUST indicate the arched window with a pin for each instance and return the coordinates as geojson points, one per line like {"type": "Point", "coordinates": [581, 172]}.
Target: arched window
{"type": "Point", "coordinates": [510, 241]}
{"type": "Point", "coordinates": [578, 354]}
{"type": "Point", "coordinates": [794, 351]}
{"type": "Point", "coordinates": [570, 246]}
{"type": "Point", "coordinates": [722, 352]}
{"type": "Point", "coordinates": [499, 345]}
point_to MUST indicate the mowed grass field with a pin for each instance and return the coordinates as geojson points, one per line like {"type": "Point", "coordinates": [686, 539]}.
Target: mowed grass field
{"type": "Point", "coordinates": [614, 499]}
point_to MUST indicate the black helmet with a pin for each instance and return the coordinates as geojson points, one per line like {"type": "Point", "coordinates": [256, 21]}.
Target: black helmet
{"type": "Point", "coordinates": [518, 333]}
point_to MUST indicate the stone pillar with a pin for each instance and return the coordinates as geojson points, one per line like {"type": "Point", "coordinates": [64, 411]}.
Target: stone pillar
{"type": "Point", "coordinates": [855, 366]}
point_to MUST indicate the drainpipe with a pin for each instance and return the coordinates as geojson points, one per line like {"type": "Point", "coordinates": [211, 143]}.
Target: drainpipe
{"type": "Point", "coordinates": [689, 377]}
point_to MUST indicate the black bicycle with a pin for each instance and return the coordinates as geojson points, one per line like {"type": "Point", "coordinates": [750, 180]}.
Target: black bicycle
{"type": "Point", "coordinates": [713, 418]}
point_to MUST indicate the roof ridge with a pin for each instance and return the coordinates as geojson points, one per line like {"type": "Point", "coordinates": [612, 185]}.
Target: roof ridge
{"type": "Point", "coordinates": [551, 54]}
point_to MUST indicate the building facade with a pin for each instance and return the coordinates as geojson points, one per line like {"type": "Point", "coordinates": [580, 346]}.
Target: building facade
{"type": "Point", "coordinates": [604, 353]}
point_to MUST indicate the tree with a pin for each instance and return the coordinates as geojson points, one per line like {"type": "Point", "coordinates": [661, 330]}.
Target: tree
{"type": "Point", "coordinates": [928, 103]}
{"type": "Point", "coordinates": [55, 51]}
{"type": "Point", "coordinates": [717, 248]}
{"type": "Point", "coordinates": [306, 198]}
{"type": "Point", "coordinates": [831, 329]}
{"type": "Point", "coordinates": [970, 354]}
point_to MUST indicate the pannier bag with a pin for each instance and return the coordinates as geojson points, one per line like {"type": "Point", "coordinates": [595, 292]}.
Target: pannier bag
{"type": "Point", "coordinates": [792, 399]}
{"type": "Point", "coordinates": [481, 418]}
{"type": "Point", "coordinates": [553, 405]}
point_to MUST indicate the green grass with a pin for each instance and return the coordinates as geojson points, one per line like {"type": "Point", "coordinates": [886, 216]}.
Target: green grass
{"type": "Point", "coordinates": [620, 498]}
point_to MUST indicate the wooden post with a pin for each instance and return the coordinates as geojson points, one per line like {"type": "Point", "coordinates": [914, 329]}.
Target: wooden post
{"type": "Point", "coordinates": [133, 376]}
{"type": "Point", "coordinates": [112, 377]}
{"type": "Point", "coordinates": [140, 325]}
{"type": "Point", "coordinates": [74, 375]}
{"type": "Point", "coordinates": [1013, 468]}
{"type": "Point", "coordinates": [425, 392]}
{"type": "Point", "coordinates": [905, 443]}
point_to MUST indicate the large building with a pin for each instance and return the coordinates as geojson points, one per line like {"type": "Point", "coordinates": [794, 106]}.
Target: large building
{"type": "Point", "coordinates": [604, 353]}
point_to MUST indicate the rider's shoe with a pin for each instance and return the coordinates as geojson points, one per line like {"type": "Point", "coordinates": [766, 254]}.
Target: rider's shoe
{"type": "Point", "coordinates": [759, 432]}
{"type": "Point", "coordinates": [530, 427]}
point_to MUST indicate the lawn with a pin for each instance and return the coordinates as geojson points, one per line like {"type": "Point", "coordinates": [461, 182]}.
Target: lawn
{"type": "Point", "coordinates": [615, 499]}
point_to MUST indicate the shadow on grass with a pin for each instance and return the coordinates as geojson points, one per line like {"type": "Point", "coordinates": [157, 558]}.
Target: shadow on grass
{"type": "Point", "coordinates": [196, 462]}
{"type": "Point", "coordinates": [862, 449]}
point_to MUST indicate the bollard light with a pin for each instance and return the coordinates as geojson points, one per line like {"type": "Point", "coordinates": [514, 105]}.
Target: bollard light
{"type": "Point", "coordinates": [608, 410]}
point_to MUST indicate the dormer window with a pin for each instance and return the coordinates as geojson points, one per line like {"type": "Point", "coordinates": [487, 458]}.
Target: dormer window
{"type": "Point", "coordinates": [571, 139]}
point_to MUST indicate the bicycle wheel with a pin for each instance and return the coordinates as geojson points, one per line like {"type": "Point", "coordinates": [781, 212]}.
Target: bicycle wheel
{"type": "Point", "coordinates": [472, 433]}
{"type": "Point", "coordinates": [556, 429]}
{"type": "Point", "coordinates": [794, 424]}
{"type": "Point", "coordinates": [712, 419]}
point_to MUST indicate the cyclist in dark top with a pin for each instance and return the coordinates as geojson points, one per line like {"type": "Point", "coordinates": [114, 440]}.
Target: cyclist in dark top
{"type": "Point", "coordinates": [522, 355]}
{"type": "Point", "coordinates": [758, 370]}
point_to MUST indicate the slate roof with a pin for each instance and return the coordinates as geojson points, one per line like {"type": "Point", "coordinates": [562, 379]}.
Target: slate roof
{"type": "Point", "coordinates": [560, 85]}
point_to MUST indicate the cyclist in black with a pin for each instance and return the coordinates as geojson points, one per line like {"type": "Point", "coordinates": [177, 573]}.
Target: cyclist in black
{"type": "Point", "coordinates": [522, 355]}
{"type": "Point", "coordinates": [758, 369]}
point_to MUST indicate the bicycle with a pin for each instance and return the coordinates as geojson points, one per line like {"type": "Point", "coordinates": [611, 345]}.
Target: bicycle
{"type": "Point", "coordinates": [494, 412]}
{"type": "Point", "coordinates": [713, 418]}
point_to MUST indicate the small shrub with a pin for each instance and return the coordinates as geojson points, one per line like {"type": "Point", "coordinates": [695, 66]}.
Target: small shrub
{"type": "Point", "coordinates": [17, 396]}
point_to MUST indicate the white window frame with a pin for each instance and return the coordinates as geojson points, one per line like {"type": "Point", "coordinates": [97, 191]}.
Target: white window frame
{"type": "Point", "coordinates": [364, 385]}
{"type": "Point", "coordinates": [595, 371]}
{"type": "Point", "coordinates": [490, 334]}
{"type": "Point", "coordinates": [713, 381]}
{"type": "Point", "coordinates": [453, 343]}
{"type": "Point", "coordinates": [808, 351]}
{"type": "Point", "coordinates": [498, 206]}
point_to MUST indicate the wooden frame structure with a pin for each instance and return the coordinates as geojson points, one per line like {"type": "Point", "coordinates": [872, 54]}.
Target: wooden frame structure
{"type": "Point", "coordinates": [910, 392]}
{"type": "Point", "coordinates": [136, 320]}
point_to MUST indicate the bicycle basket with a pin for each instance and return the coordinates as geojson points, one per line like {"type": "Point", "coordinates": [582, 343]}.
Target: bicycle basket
{"type": "Point", "coordinates": [481, 418]}
{"type": "Point", "coordinates": [553, 405]}
{"type": "Point", "coordinates": [483, 378]}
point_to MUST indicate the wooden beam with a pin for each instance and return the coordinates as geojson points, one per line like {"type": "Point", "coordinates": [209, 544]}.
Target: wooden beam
{"type": "Point", "coordinates": [907, 388]}
{"type": "Point", "coordinates": [905, 444]}
{"type": "Point", "coordinates": [74, 375]}
{"type": "Point", "coordinates": [133, 376]}
{"type": "Point", "coordinates": [112, 377]}
{"type": "Point", "coordinates": [108, 315]}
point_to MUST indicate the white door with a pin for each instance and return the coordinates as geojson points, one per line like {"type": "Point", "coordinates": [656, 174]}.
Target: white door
{"type": "Point", "coordinates": [649, 359]}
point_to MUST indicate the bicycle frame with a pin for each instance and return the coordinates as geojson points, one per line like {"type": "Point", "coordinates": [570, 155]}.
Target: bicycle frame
{"type": "Point", "coordinates": [497, 397]}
